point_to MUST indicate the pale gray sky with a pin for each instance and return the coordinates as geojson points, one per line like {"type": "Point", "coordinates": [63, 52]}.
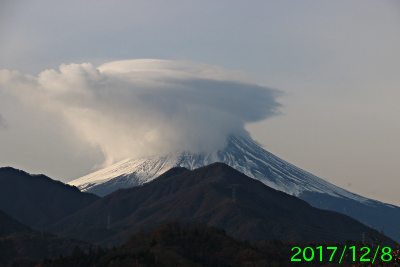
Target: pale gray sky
{"type": "Point", "coordinates": [338, 63]}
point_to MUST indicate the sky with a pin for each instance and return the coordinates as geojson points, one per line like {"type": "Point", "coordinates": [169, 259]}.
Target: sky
{"type": "Point", "coordinates": [315, 82]}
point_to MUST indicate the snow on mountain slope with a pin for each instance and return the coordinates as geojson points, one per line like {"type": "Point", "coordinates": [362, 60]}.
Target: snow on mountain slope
{"type": "Point", "coordinates": [242, 154]}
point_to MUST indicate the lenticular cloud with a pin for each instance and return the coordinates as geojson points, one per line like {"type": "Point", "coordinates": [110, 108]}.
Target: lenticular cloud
{"type": "Point", "coordinates": [132, 108]}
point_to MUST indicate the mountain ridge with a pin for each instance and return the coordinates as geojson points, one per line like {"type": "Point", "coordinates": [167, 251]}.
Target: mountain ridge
{"type": "Point", "coordinates": [217, 195]}
{"type": "Point", "coordinates": [248, 157]}
{"type": "Point", "coordinates": [37, 200]}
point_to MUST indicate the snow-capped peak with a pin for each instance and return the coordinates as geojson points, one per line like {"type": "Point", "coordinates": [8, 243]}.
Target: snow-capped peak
{"type": "Point", "coordinates": [243, 154]}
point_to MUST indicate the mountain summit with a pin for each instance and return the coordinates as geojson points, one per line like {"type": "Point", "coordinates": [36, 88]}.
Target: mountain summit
{"type": "Point", "coordinates": [242, 154]}
{"type": "Point", "coordinates": [246, 156]}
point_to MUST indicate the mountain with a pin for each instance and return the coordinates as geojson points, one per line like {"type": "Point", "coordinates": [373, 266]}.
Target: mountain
{"type": "Point", "coordinates": [240, 153]}
{"type": "Point", "coordinates": [10, 225]}
{"type": "Point", "coordinates": [248, 157]}
{"type": "Point", "coordinates": [37, 200]}
{"type": "Point", "coordinates": [216, 195]}
{"type": "Point", "coordinates": [20, 241]}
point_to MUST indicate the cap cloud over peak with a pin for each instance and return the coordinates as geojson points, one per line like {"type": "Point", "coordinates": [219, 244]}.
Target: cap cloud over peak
{"type": "Point", "coordinates": [132, 108]}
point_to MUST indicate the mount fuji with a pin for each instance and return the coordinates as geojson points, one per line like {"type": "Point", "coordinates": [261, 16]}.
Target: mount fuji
{"type": "Point", "coordinates": [246, 156]}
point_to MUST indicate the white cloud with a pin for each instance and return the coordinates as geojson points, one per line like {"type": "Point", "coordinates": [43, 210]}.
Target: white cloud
{"type": "Point", "coordinates": [137, 107]}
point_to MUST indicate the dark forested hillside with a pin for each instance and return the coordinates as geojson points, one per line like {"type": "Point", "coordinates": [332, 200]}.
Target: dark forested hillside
{"type": "Point", "coordinates": [174, 244]}
{"type": "Point", "coordinates": [18, 240]}
{"type": "Point", "coordinates": [217, 195]}
{"type": "Point", "coordinates": [37, 200]}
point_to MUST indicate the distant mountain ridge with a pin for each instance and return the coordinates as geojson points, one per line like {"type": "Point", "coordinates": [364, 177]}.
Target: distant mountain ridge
{"type": "Point", "coordinates": [216, 195]}
{"type": "Point", "coordinates": [248, 157]}
{"type": "Point", "coordinates": [37, 200]}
